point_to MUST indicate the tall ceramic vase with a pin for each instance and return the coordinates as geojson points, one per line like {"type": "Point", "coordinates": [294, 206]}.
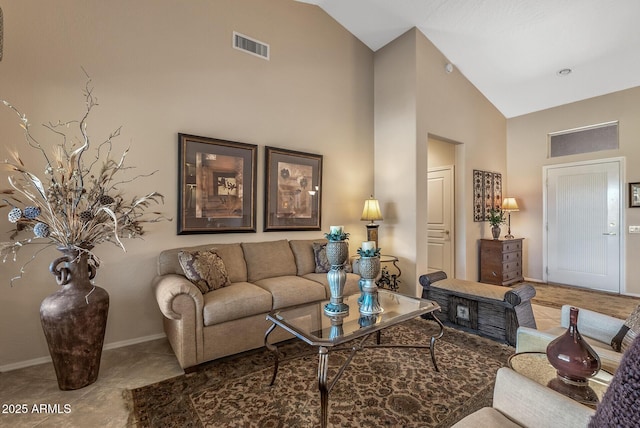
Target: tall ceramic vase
{"type": "Point", "coordinates": [337, 253]}
{"type": "Point", "coordinates": [369, 270]}
{"type": "Point", "coordinates": [574, 360]}
{"type": "Point", "coordinates": [74, 320]}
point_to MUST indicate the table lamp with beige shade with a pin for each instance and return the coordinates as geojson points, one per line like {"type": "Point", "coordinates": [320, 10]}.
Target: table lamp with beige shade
{"type": "Point", "coordinates": [371, 213]}
{"type": "Point", "coordinates": [509, 205]}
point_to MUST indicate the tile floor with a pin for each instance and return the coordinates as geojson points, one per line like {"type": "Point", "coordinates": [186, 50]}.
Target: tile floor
{"type": "Point", "coordinates": [101, 404]}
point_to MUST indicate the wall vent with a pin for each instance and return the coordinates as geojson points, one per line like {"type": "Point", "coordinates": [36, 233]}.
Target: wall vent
{"type": "Point", "coordinates": [584, 140]}
{"type": "Point", "coordinates": [250, 46]}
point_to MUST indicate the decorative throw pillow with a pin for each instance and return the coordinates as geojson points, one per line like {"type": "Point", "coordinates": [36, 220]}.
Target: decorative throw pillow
{"type": "Point", "coordinates": [322, 263]}
{"type": "Point", "coordinates": [205, 269]}
{"type": "Point", "coordinates": [320, 255]}
{"type": "Point", "coordinates": [622, 341]}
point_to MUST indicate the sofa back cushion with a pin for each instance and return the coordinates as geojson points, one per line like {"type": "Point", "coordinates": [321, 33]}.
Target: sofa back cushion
{"type": "Point", "coordinates": [304, 255]}
{"type": "Point", "coordinates": [231, 254]}
{"type": "Point", "coordinates": [268, 259]}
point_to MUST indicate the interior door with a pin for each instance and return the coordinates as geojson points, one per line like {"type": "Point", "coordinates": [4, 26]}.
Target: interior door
{"type": "Point", "coordinates": [583, 225]}
{"type": "Point", "coordinates": [440, 231]}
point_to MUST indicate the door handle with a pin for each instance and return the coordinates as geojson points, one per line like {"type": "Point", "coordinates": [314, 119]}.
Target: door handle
{"type": "Point", "coordinates": [610, 234]}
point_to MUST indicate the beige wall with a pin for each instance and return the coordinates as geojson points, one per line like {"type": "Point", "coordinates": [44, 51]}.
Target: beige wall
{"type": "Point", "coordinates": [527, 154]}
{"type": "Point", "coordinates": [440, 153]}
{"type": "Point", "coordinates": [160, 67]}
{"type": "Point", "coordinates": [416, 98]}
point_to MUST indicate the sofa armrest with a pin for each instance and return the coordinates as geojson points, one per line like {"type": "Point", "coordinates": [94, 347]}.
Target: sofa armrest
{"type": "Point", "coordinates": [593, 324]}
{"type": "Point", "coordinates": [182, 305]}
{"type": "Point", "coordinates": [532, 340]}
{"type": "Point", "coordinates": [168, 287]}
{"type": "Point", "coordinates": [530, 404]}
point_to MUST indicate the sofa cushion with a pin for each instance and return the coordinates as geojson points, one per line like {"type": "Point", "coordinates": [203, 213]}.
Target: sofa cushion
{"type": "Point", "coordinates": [303, 252]}
{"type": "Point", "coordinates": [292, 290]}
{"type": "Point", "coordinates": [205, 269]}
{"type": "Point", "coordinates": [239, 300]}
{"type": "Point", "coordinates": [231, 254]}
{"type": "Point", "coordinates": [268, 259]}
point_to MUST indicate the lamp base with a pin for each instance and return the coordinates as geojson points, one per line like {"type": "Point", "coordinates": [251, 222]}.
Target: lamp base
{"type": "Point", "coordinates": [372, 233]}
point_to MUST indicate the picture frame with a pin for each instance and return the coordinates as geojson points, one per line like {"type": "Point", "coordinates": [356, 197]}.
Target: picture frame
{"type": "Point", "coordinates": [634, 195]}
{"type": "Point", "coordinates": [293, 183]}
{"type": "Point", "coordinates": [217, 185]}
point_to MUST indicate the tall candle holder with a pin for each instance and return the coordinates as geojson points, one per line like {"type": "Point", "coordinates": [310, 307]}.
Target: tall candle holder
{"type": "Point", "coordinates": [337, 254]}
{"type": "Point", "coordinates": [369, 269]}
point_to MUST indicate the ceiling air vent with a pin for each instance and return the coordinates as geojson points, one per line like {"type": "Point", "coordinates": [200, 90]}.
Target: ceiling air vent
{"type": "Point", "coordinates": [250, 46]}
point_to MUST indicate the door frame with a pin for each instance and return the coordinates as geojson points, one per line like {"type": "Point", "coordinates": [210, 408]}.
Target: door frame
{"type": "Point", "coordinates": [622, 209]}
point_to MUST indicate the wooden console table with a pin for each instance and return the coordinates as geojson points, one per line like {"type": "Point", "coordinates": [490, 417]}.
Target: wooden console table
{"type": "Point", "coordinates": [501, 261]}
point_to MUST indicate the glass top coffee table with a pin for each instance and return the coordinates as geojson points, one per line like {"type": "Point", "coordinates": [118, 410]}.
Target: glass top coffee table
{"type": "Point", "coordinates": [310, 324]}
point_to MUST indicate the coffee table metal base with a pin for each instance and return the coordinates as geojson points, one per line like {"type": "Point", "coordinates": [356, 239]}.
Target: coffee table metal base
{"type": "Point", "coordinates": [324, 385]}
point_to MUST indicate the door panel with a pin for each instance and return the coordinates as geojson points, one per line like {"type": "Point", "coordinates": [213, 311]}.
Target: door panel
{"type": "Point", "coordinates": [583, 225]}
{"type": "Point", "coordinates": [440, 220]}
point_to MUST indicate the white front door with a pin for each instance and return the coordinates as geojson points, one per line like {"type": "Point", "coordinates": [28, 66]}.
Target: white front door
{"type": "Point", "coordinates": [440, 237]}
{"type": "Point", "coordinates": [583, 224]}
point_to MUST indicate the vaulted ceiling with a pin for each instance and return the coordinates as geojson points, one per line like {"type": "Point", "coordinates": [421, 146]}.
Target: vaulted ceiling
{"type": "Point", "coordinates": [512, 50]}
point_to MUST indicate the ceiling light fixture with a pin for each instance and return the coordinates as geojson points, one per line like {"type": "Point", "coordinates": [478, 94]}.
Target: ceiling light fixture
{"type": "Point", "coordinates": [564, 72]}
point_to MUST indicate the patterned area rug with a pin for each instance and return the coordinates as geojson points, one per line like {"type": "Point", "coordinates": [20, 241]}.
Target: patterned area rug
{"type": "Point", "coordinates": [381, 387]}
{"type": "Point", "coordinates": [555, 296]}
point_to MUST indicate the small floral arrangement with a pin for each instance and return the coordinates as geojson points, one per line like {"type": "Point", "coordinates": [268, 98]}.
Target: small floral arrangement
{"type": "Point", "coordinates": [335, 237]}
{"type": "Point", "coordinates": [496, 217]}
{"type": "Point", "coordinates": [76, 204]}
{"type": "Point", "coordinates": [374, 252]}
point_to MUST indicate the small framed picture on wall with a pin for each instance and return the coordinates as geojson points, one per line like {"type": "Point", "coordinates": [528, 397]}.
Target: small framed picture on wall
{"type": "Point", "coordinates": [634, 195]}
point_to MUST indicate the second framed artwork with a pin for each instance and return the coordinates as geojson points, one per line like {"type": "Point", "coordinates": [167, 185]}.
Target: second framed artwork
{"type": "Point", "coordinates": [292, 190]}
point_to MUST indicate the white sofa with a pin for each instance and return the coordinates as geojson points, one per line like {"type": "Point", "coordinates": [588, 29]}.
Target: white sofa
{"type": "Point", "coordinates": [521, 402]}
{"type": "Point", "coordinates": [598, 330]}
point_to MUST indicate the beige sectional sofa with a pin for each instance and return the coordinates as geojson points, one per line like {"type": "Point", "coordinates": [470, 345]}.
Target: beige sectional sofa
{"type": "Point", "coordinates": [232, 319]}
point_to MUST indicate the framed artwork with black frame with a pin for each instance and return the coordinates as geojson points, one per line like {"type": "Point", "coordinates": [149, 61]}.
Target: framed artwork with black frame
{"type": "Point", "coordinates": [292, 187]}
{"type": "Point", "coordinates": [217, 185]}
{"type": "Point", "coordinates": [634, 195]}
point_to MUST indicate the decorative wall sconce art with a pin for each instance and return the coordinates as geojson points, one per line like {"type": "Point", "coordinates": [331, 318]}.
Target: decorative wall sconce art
{"type": "Point", "coordinates": [487, 193]}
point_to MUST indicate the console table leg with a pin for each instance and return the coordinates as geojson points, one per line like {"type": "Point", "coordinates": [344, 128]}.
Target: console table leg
{"type": "Point", "coordinates": [274, 349]}
{"type": "Point", "coordinates": [323, 367]}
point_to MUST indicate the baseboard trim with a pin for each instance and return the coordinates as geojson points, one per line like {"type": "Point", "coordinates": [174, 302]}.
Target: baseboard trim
{"type": "Point", "coordinates": [113, 345]}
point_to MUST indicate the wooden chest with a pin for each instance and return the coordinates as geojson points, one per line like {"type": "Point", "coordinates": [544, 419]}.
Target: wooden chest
{"type": "Point", "coordinates": [501, 261]}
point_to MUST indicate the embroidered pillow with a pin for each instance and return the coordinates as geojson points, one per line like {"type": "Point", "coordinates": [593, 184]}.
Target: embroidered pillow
{"type": "Point", "coordinates": [205, 269]}
{"type": "Point", "coordinates": [320, 255]}
{"type": "Point", "coordinates": [622, 341]}
{"type": "Point", "coordinates": [322, 263]}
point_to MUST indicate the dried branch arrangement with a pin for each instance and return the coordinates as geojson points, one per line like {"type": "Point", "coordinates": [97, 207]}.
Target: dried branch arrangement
{"type": "Point", "coordinates": [78, 203]}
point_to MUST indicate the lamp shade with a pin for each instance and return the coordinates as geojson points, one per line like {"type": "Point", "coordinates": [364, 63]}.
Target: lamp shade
{"type": "Point", "coordinates": [510, 204]}
{"type": "Point", "coordinates": [371, 211]}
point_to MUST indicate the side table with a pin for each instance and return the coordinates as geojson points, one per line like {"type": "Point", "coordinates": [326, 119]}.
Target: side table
{"type": "Point", "coordinates": [536, 366]}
